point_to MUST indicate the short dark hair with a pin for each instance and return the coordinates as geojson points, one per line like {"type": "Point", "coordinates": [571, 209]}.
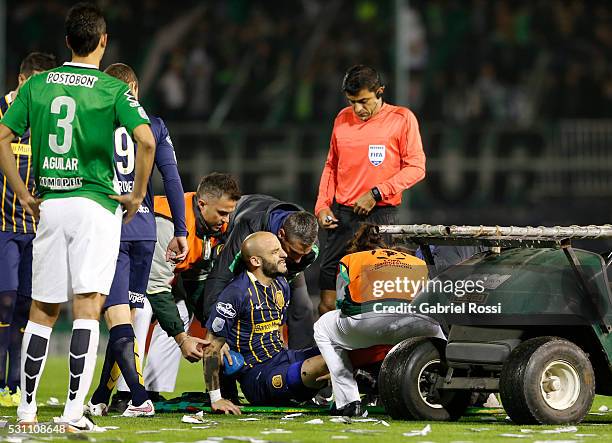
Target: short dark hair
{"type": "Point", "coordinates": [37, 61]}
{"type": "Point", "coordinates": [84, 26]}
{"type": "Point", "coordinates": [217, 185]}
{"type": "Point", "coordinates": [301, 226]}
{"type": "Point", "coordinates": [360, 77]}
{"type": "Point", "coordinates": [123, 72]}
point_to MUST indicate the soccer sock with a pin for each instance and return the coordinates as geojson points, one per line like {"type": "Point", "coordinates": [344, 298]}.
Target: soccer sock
{"type": "Point", "coordinates": [114, 376]}
{"type": "Point", "coordinates": [108, 378]}
{"type": "Point", "coordinates": [33, 356]}
{"type": "Point", "coordinates": [138, 363]}
{"type": "Point", "coordinates": [83, 349]}
{"type": "Point", "coordinates": [7, 303]}
{"type": "Point", "coordinates": [20, 319]}
{"type": "Point", "coordinates": [124, 350]}
{"type": "Point", "coordinates": [142, 321]}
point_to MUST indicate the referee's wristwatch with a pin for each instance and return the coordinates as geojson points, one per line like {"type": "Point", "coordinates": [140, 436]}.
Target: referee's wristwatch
{"type": "Point", "coordinates": [376, 194]}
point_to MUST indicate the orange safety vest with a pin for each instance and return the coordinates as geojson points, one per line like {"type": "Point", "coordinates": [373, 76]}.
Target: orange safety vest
{"type": "Point", "coordinates": [381, 275]}
{"type": "Point", "coordinates": [199, 249]}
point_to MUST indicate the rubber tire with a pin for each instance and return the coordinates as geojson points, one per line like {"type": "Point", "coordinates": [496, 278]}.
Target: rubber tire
{"type": "Point", "coordinates": [520, 382]}
{"type": "Point", "coordinates": [398, 384]}
{"type": "Point", "coordinates": [388, 381]}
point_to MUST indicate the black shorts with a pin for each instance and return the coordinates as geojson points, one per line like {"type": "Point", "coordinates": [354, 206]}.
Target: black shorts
{"type": "Point", "coordinates": [334, 248]}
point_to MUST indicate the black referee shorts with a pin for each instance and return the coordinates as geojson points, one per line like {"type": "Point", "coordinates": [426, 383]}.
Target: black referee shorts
{"type": "Point", "coordinates": [334, 248]}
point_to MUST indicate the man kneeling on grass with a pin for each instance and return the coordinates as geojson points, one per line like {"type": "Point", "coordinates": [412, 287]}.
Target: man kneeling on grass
{"type": "Point", "coordinates": [247, 317]}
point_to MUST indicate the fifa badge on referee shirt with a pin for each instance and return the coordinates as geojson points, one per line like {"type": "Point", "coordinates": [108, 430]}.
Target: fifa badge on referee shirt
{"type": "Point", "coordinates": [376, 154]}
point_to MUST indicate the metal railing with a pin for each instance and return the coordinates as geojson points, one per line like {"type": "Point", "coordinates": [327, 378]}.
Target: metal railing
{"type": "Point", "coordinates": [526, 232]}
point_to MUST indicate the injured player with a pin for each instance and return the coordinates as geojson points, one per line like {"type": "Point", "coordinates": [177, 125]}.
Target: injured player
{"type": "Point", "coordinates": [362, 321]}
{"type": "Point", "coordinates": [247, 317]}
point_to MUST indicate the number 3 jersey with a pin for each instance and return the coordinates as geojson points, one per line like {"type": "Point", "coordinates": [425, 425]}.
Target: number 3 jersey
{"type": "Point", "coordinates": [142, 226]}
{"type": "Point", "coordinates": [73, 111]}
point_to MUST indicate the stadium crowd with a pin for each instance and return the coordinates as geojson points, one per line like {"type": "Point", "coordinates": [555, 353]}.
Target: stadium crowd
{"type": "Point", "coordinates": [470, 60]}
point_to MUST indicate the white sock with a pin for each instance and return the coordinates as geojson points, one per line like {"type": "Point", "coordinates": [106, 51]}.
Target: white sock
{"type": "Point", "coordinates": [142, 320]}
{"type": "Point", "coordinates": [83, 354]}
{"type": "Point", "coordinates": [34, 349]}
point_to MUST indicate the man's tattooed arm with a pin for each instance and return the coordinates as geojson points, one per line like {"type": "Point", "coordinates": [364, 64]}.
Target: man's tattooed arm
{"type": "Point", "coordinates": [212, 362]}
{"type": "Point", "coordinates": [212, 373]}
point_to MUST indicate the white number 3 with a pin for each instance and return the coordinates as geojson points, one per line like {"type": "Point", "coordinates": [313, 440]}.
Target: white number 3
{"type": "Point", "coordinates": [64, 123]}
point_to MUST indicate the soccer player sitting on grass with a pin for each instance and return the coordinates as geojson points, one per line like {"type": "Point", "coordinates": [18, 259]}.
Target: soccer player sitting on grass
{"type": "Point", "coordinates": [247, 316]}
{"type": "Point", "coordinates": [73, 111]}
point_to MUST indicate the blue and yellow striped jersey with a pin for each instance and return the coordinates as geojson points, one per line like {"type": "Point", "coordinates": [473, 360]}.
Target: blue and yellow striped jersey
{"type": "Point", "coordinates": [248, 315]}
{"type": "Point", "coordinates": [13, 218]}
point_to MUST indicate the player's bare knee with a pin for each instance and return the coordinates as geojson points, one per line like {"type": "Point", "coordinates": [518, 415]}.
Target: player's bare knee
{"type": "Point", "coordinates": [319, 365]}
{"type": "Point", "coordinates": [45, 314]}
{"type": "Point", "coordinates": [117, 315]}
{"type": "Point", "coordinates": [87, 306]}
{"type": "Point", "coordinates": [312, 369]}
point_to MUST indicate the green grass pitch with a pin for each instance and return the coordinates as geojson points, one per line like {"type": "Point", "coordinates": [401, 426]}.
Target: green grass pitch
{"type": "Point", "coordinates": [168, 427]}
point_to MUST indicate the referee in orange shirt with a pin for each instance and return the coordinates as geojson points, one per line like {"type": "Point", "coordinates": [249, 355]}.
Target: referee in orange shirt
{"type": "Point", "coordinates": [375, 153]}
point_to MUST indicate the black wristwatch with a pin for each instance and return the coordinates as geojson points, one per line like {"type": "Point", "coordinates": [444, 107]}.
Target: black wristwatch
{"type": "Point", "coordinates": [376, 194]}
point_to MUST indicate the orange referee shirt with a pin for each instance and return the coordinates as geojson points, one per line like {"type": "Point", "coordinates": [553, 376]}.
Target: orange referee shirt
{"type": "Point", "coordinates": [384, 152]}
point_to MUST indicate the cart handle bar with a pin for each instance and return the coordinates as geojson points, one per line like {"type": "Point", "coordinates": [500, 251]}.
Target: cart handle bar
{"type": "Point", "coordinates": [500, 232]}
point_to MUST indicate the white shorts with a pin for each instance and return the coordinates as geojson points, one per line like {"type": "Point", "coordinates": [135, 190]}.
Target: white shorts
{"type": "Point", "coordinates": [75, 249]}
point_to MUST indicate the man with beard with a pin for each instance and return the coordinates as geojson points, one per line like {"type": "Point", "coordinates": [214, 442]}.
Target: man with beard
{"type": "Point", "coordinates": [297, 232]}
{"type": "Point", "coordinates": [247, 316]}
{"type": "Point", "coordinates": [207, 214]}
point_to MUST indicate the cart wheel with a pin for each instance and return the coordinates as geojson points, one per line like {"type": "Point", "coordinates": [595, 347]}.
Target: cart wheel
{"type": "Point", "coordinates": [547, 380]}
{"type": "Point", "coordinates": [406, 382]}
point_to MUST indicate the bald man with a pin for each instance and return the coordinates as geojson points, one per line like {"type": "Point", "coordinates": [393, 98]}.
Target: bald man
{"type": "Point", "coordinates": [247, 317]}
